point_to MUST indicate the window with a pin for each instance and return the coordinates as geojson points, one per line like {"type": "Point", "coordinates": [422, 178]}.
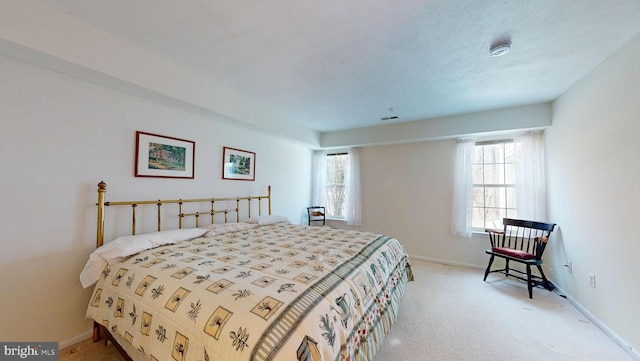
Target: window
{"type": "Point", "coordinates": [494, 184]}
{"type": "Point", "coordinates": [335, 185]}
{"type": "Point", "coordinates": [490, 176]}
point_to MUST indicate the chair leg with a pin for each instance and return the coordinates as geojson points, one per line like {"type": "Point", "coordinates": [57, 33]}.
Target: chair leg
{"type": "Point", "coordinates": [529, 281]}
{"type": "Point", "coordinates": [545, 282]}
{"type": "Point", "coordinates": [486, 273]}
{"type": "Point", "coordinates": [506, 267]}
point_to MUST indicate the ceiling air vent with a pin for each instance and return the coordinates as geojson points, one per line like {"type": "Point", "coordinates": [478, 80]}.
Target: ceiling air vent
{"type": "Point", "coordinates": [388, 118]}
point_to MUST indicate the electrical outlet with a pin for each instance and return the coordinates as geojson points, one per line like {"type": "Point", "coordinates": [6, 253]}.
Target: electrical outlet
{"type": "Point", "coordinates": [569, 266]}
{"type": "Point", "coordinates": [592, 280]}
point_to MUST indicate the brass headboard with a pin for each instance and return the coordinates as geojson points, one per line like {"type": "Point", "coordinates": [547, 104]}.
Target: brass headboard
{"type": "Point", "coordinates": [102, 190]}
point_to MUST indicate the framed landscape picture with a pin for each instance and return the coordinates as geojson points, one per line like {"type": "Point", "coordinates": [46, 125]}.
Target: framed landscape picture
{"type": "Point", "coordinates": [238, 164]}
{"type": "Point", "coordinates": [164, 157]}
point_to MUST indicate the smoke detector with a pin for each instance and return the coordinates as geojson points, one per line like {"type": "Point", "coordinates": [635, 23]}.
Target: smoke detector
{"type": "Point", "coordinates": [499, 49]}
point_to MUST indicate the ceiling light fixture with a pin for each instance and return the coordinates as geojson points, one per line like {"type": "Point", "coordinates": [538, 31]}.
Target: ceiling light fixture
{"type": "Point", "coordinates": [499, 49]}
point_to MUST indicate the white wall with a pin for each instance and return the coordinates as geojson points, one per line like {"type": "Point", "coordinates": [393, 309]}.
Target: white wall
{"type": "Point", "coordinates": [59, 137]}
{"type": "Point", "coordinates": [593, 175]}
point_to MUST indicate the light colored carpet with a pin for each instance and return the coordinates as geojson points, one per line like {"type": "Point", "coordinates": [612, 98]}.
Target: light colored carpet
{"type": "Point", "coordinates": [89, 351]}
{"type": "Point", "coordinates": [448, 313]}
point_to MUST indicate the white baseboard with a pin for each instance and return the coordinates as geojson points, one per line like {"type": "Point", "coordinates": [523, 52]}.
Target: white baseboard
{"type": "Point", "coordinates": [446, 262]}
{"type": "Point", "coordinates": [72, 341]}
{"type": "Point", "coordinates": [601, 325]}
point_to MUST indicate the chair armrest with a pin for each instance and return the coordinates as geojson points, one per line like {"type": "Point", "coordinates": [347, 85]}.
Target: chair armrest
{"type": "Point", "coordinates": [494, 231]}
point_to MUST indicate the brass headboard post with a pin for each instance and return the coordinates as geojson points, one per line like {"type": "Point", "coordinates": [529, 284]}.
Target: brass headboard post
{"type": "Point", "coordinates": [269, 195]}
{"type": "Point", "coordinates": [133, 218]}
{"type": "Point", "coordinates": [159, 218]}
{"type": "Point", "coordinates": [238, 209]}
{"type": "Point", "coordinates": [102, 189]}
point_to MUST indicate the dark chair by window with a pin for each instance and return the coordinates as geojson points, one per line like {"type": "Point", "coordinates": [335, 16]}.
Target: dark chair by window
{"type": "Point", "coordinates": [523, 242]}
{"type": "Point", "coordinates": [316, 214]}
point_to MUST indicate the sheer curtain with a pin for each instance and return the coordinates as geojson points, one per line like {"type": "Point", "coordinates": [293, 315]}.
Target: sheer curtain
{"type": "Point", "coordinates": [530, 177]}
{"type": "Point", "coordinates": [354, 208]}
{"type": "Point", "coordinates": [461, 211]}
{"type": "Point", "coordinates": [318, 190]}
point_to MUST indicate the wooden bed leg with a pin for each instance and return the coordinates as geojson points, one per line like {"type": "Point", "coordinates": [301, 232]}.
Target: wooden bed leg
{"type": "Point", "coordinates": [96, 332]}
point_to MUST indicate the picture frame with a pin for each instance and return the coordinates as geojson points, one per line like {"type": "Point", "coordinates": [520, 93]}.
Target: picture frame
{"type": "Point", "coordinates": [238, 164]}
{"type": "Point", "coordinates": [161, 156]}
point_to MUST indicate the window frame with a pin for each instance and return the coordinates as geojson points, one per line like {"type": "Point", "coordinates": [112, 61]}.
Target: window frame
{"type": "Point", "coordinates": [328, 184]}
{"type": "Point", "coordinates": [505, 210]}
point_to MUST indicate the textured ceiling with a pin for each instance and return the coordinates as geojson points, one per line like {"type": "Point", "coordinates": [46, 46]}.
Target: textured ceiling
{"type": "Point", "coordinates": [335, 65]}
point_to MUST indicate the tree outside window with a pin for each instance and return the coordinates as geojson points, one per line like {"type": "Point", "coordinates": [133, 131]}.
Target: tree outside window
{"type": "Point", "coordinates": [336, 167]}
{"type": "Point", "coordinates": [494, 184]}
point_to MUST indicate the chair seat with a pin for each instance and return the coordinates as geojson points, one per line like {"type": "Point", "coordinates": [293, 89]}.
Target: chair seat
{"type": "Point", "coordinates": [513, 253]}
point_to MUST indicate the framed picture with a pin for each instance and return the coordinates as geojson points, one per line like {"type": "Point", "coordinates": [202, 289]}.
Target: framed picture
{"type": "Point", "coordinates": [164, 157]}
{"type": "Point", "coordinates": [238, 164]}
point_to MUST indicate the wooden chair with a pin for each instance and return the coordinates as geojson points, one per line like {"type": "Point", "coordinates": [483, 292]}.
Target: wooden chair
{"type": "Point", "coordinates": [316, 214]}
{"type": "Point", "coordinates": [523, 242]}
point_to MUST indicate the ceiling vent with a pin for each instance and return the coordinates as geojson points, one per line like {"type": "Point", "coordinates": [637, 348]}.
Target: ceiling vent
{"type": "Point", "coordinates": [388, 118]}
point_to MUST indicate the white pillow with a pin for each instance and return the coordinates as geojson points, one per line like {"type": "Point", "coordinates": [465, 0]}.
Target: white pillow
{"type": "Point", "coordinates": [125, 246]}
{"type": "Point", "coordinates": [265, 220]}
{"type": "Point", "coordinates": [222, 228]}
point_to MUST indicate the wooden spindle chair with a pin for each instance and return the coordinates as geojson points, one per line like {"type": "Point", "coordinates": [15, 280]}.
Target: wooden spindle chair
{"type": "Point", "coordinates": [523, 242]}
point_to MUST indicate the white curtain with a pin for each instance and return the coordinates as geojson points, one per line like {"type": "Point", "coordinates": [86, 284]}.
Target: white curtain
{"type": "Point", "coordinates": [318, 190]}
{"type": "Point", "coordinates": [353, 201]}
{"type": "Point", "coordinates": [461, 211]}
{"type": "Point", "coordinates": [352, 179]}
{"type": "Point", "coordinates": [530, 177]}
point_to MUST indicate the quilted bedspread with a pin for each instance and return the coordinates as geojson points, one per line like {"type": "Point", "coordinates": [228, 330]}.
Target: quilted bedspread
{"type": "Point", "coordinates": [276, 292]}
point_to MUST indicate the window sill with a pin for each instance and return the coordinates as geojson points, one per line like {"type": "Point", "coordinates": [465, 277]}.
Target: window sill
{"type": "Point", "coordinates": [479, 234]}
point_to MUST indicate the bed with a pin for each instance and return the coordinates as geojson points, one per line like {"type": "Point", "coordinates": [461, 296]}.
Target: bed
{"type": "Point", "coordinates": [253, 287]}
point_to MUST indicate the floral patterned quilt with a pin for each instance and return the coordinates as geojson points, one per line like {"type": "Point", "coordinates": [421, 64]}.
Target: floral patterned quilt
{"type": "Point", "coordinates": [276, 292]}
